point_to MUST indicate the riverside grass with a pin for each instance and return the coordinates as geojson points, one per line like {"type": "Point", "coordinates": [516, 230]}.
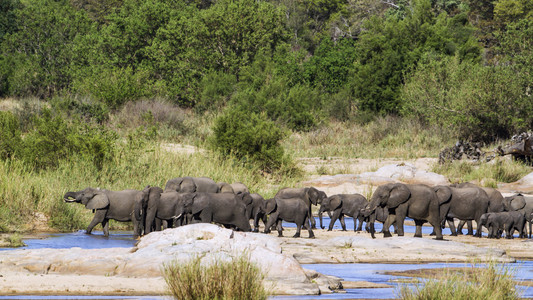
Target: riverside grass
{"type": "Point", "coordinates": [489, 282]}
{"type": "Point", "coordinates": [24, 191]}
{"type": "Point", "coordinates": [235, 279]}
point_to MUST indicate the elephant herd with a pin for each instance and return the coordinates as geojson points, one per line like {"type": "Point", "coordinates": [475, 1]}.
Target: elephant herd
{"type": "Point", "coordinates": [187, 200]}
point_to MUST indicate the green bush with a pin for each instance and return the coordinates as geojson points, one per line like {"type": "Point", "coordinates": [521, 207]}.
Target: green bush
{"type": "Point", "coordinates": [236, 279]}
{"type": "Point", "coordinates": [10, 136]}
{"type": "Point", "coordinates": [476, 102]}
{"type": "Point", "coordinates": [86, 108]}
{"type": "Point", "coordinates": [249, 135]}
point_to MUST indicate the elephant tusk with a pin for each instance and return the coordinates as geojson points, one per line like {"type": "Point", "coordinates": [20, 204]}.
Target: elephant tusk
{"type": "Point", "coordinates": [69, 200]}
{"type": "Point", "coordinates": [177, 217]}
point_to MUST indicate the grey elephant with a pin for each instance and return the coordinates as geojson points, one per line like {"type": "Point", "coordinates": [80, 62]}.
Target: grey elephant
{"type": "Point", "coordinates": [416, 201]}
{"type": "Point", "coordinates": [224, 187]}
{"type": "Point", "coordinates": [380, 214]}
{"type": "Point", "coordinates": [223, 208]}
{"type": "Point", "coordinates": [239, 187]}
{"type": "Point", "coordinates": [520, 202]}
{"type": "Point", "coordinates": [192, 185]}
{"type": "Point", "coordinates": [495, 203]}
{"type": "Point", "coordinates": [158, 209]}
{"type": "Point", "coordinates": [467, 204]}
{"type": "Point", "coordinates": [293, 210]}
{"type": "Point", "coordinates": [107, 205]}
{"type": "Point", "coordinates": [507, 221]}
{"type": "Point", "coordinates": [258, 213]}
{"type": "Point", "coordinates": [309, 195]}
{"type": "Point", "coordinates": [344, 205]}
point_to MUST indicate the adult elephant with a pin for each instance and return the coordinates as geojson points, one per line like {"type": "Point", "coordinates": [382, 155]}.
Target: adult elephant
{"type": "Point", "coordinates": [507, 221]}
{"type": "Point", "coordinates": [293, 210]}
{"type": "Point", "coordinates": [416, 201]}
{"type": "Point", "coordinates": [192, 185]}
{"type": "Point", "coordinates": [309, 195]}
{"type": "Point", "coordinates": [224, 187]}
{"type": "Point", "coordinates": [520, 202]}
{"type": "Point", "coordinates": [341, 205]}
{"type": "Point", "coordinates": [107, 205]}
{"type": "Point", "coordinates": [467, 204]}
{"type": "Point", "coordinates": [495, 203]}
{"type": "Point", "coordinates": [239, 187]}
{"type": "Point", "coordinates": [223, 208]}
{"type": "Point", "coordinates": [157, 209]}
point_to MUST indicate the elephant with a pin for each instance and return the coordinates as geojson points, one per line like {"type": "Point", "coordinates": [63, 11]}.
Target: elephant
{"type": "Point", "coordinates": [107, 205]}
{"type": "Point", "coordinates": [495, 203]}
{"type": "Point", "coordinates": [293, 210]}
{"type": "Point", "coordinates": [341, 205]}
{"type": "Point", "coordinates": [380, 214]}
{"type": "Point", "coordinates": [416, 201]}
{"type": "Point", "coordinates": [519, 202]}
{"type": "Point", "coordinates": [462, 203]}
{"type": "Point", "coordinates": [239, 187]}
{"type": "Point", "coordinates": [224, 187]}
{"type": "Point", "coordinates": [507, 220]}
{"type": "Point", "coordinates": [309, 195]}
{"type": "Point", "coordinates": [258, 213]}
{"type": "Point", "coordinates": [158, 208]}
{"type": "Point", "coordinates": [223, 208]}
{"type": "Point", "coordinates": [192, 185]}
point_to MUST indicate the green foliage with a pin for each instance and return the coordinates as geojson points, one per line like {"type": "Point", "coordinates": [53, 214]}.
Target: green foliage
{"type": "Point", "coordinates": [476, 102]}
{"type": "Point", "coordinates": [86, 108]}
{"type": "Point", "coordinates": [235, 279]}
{"type": "Point", "coordinates": [10, 135]}
{"type": "Point", "coordinates": [249, 135]}
{"type": "Point", "coordinates": [500, 170]}
{"type": "Point", "coordinates": [215, 90]}
{"type": "Point", "coordinates": [41, 47]}
{"type": "Point", "coordinates": [390, 48]}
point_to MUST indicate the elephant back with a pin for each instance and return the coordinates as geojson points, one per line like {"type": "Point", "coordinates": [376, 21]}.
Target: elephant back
{"type": "Point", "coordinates": [205, 185]}
{"type": "Point", "coordinates": [443, 193]}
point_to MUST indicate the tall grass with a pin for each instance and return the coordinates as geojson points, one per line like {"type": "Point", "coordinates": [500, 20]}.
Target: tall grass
{"type": "Point", "coordinates": [24, 191]}
{"type": "Point", "coordinates": [389, 136]}
{"type": "Point", "coordinates": [236, 279]}
{"type": "Point", "coordinates": [484, 283]}
{"type": "Point", "coordinates": [488, 174]}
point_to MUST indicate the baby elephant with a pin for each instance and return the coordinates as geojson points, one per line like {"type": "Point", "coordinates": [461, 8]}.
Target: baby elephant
{"type": "Point", "coordinates": [341, 205]}
{"type": "Point", "coordinates": [506, 221]}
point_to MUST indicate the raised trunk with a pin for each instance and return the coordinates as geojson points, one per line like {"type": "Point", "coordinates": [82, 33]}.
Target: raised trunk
{"type": "Point", "coordinates": [69, 195]}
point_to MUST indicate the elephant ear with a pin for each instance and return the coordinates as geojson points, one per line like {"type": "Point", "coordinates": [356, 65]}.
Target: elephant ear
{"type": "Point", "coordinates": [198, 203]}
{"type": "Point", "coordinates": [313, 195]}
{"type": "Point", "coordinates": [98, 201]}
{"type": "Point", "coordinates": [399, 194]}
{"type": "Point", "coordinates": [335, 202]}
{"type": "Point", "coordinates": [518, 202]}
{"type": "Point", "coordinates": [245, 198]}
{"type": "Point", "coordinates": [270, 206]}
{"type": "Point", "coordinates": [443, 193]}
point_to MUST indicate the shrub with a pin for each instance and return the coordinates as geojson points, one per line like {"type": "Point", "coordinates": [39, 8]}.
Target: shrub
{"type": "Point", "coordinates": [488, 282]}
{"type": "Point", "coordinates": [86, 108]}
{"type": "Point", "coordinates": [248, 135]}
{"type": "Point", "coordinates": [10, 138]}
{"type": "Point", "coordinates": [236, 279]}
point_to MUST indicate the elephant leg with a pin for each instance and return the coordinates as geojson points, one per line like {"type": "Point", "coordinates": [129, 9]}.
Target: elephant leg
{"type": "Point", "coordinates": [256, 222]}
{"type": "Point", "coordinates": [387, 224]}
{"type": "Point", "coordinates": [334, 218]}
{"type": "Point", "coordinates": [298, 229]}
{"type": "Point", "coordinates": [312, 219]}
{"type": "Point", "coordinates": [311, 234]}
{"type": "Point", "coordinates": [271, 220]}
{"type": "Point", "coordinates": [99, 217]}
{"type": "Point", "coordinates": [418, 230]}
{"type": "Point", "coordinates": [437, 229]}
{"type": "Point", "coordinates": [343, 225]}
{"type": "Point", "coordinates": [399, 221]}
{"type": "Point", "coordinates": [452, 227]}
{"type": "Point", "coordinates": [105, 226]}
{"type": "Point", "coordinates": [149, 221]}
{"type": "Point", "coordinates": [470, 228]}
{"type": "Point", "coordinates": [529, 228]}
{"type": "Point", "coordinates": [460, 227]}
{"type": "Point", "coordinates": [360, 223]}
{"type": "Point", "coordinates": [479, 228]}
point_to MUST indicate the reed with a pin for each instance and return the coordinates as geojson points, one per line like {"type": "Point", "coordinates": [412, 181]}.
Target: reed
{"type": "Point", "coordinates": [235, 279]}
{"type": "Point", "coordinates": [492, 281]}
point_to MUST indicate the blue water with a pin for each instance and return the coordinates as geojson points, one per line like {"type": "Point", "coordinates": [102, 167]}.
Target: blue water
{"type": "Point", "coordinates": [427, 229]}
{"type": "Point", "coordinates": [349, 272]}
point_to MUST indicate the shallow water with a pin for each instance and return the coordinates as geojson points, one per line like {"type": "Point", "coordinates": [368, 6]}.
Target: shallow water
{"type": "Point", "coordinates": [349, 272]}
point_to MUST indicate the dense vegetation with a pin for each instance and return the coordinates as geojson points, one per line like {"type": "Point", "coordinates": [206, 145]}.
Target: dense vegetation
{"type": "Point", "coordinates": [95, 87]}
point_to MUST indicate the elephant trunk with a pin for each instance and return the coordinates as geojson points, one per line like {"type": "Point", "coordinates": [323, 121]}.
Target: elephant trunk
{"type": "Point", "coordinates": [69, 195]}
{"type": "Point", "coordinates": [372, 220]}
{"type": "Point", "coordinates": [320, 211]}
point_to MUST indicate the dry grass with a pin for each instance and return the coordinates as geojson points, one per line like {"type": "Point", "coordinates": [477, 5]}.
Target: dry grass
{"type": "Point", "coordinates": [484, 283]}
{"type": "Point", "coordinates": [389, 136]}
{"type": "Point", "coordinates": [236, 279]}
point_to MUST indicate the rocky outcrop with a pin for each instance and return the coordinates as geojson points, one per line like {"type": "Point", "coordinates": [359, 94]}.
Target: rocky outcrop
{"type": "Point", "coordinates": [283, 274]}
